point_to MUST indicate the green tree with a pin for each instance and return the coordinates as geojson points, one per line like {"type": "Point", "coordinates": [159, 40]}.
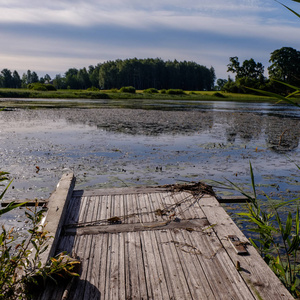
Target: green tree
{"type": "Point", "coordinates": [252, 70]}
{"type": "Point", "coordinates": [83, 79]}
{"type": "Point", "coordinates": [17, 82]}
{"type": "Point", "coordinates": [59, 82]}
{"type": "Point", "coordinates": [220, 84]}
{"type": "Point", "coordinates": [47, 78]}
{"type": "Point", "coordinates": [285, 65]}
{"type": "Point", "coordinates": [71, 79]}
{"type": "Point", "coordinates": [249, 68]}
{"type": "Point", "coordinates": [34, 77]}
{"type": "Point", "coordinates": [7, 79]}
{"type": "Point", "coordinates": [94, 75]}
{"type": "Point", "coordinates": [234, 65]}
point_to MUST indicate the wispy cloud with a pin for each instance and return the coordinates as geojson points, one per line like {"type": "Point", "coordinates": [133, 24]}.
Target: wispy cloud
{"type": "Point", "coordinates": [56, 35]}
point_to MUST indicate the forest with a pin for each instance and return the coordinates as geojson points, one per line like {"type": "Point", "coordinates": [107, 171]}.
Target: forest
{"type": "Point", "coordinates": [159, 74]}
{"type": "Point", "coordinates": [139, 73]}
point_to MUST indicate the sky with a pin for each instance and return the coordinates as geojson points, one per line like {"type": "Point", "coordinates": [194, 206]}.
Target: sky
{"type": "Point", "coordinates": [49, 37]}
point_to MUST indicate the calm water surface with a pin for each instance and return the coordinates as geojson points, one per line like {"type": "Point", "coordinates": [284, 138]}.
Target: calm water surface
{"type": "Point", "coordinates": [129, 147]}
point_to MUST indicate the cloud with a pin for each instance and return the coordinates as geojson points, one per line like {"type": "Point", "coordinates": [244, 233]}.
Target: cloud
{"type": "Point", "coordinates": [52, 36]}
{"type": "Point", "coordinates": [127, 13]}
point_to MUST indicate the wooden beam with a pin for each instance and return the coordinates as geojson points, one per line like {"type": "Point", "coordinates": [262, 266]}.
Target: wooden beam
{"type": "Point", "coordinates": [232, 199]}
{"type": "Point", "coordinates": [262, 281]}
{"type": "Point", "coordinates": [27, 202]}
{"type": "Point", "coordinates": [189, 225]}
{"type": "Point", "coordinates": [57, 209]}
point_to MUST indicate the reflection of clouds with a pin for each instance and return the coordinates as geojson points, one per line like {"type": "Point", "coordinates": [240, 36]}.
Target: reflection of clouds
{"type": "Point", "coordinates": [282, 134]}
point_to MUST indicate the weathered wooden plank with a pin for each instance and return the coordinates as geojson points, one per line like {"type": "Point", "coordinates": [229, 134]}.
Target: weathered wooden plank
{"type": "Point", "coordinates": [91, 210]}
{"type": "Point", "coordinates": [146, 248]}
{"type": "Point", "coordinates": [259, 277]}
{"type": "Point", "coordinates": [83, 246]}
{"type": "Point", "coordinates": [117, 228]}
{"type": "Point", "coordinates": [134, 289]}
{"type": "Point", "coordinates": [82, 209]}
{"type": "Point", "coordinates": [156, 278]}
{"type": "Point", "coordinates": [132, 209]}
{"type": "Point", "coordinates": [122, 267]}
{"type": "Point", "coordinates": [118, 191]}
{"type": "Point", "coordinates": [141, 267]}
{"type": "Point", "coordinates": [127, 267]}
{"type": "Point", "coordinates": [143, 206]}
{"type": "Point", "coordinates": [219, 269]}
{"type": "Point", "coordinates": [66, 243]}
{"type": "Point", "coordinates": [102, 257]}
{"type": "Point", "coordinates": [73, 210]}
{"type": "Point", "coordinates": [93, 273]}
{"type": "Point", "coordinates": [189, 256]}
{"type": "Point", "coordinates": [172, 264]}
{"type": "Point", "coordinates": [112, 270]}
{"type": "Point", "coordinates": [57, 209]}
{"type": "Point", "coordinates": [102, 211]}
{"type": "Point", "coordinates": [160, 205]}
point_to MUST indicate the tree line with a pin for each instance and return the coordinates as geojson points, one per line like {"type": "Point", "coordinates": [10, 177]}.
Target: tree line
{"type": "Point", "coordinates": [139, 73]}
{"type": "Point", "coordinates": [284, 67]}
{"type": "Point", "coordinates": [159, 74]}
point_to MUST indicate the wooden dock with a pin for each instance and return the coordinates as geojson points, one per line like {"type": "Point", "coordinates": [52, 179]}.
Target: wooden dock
{"type": "Point", "coordinates": [154, 243]}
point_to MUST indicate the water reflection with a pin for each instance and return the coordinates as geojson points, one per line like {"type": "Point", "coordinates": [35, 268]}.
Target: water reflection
{"type": "Point", "coordinates": [119, 147]}
{"type": "Point", "coordinates": [281, 134]}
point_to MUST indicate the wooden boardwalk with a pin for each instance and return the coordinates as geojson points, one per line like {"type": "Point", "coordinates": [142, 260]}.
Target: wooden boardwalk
{"type": "Point", "coordinates": [157, 243]}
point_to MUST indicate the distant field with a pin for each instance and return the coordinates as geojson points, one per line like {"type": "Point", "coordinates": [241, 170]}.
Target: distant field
{"type": "Point", "coordinates": [108, 98]}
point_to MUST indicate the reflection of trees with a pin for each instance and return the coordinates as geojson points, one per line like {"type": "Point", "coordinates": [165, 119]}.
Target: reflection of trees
{"type": "Point", "coordinates": [282, 134]}
{"type": "Point", "coordinates": [147, 122]}
{"type": "Point", "coordinates": [245, 125]}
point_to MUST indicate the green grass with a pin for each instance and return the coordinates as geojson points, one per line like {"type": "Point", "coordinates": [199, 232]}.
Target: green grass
{"type": "Point", "coordinates": [12, 98]}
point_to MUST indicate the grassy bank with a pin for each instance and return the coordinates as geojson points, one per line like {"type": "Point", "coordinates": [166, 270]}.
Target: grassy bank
{"type": "Point", "coordinates": [108, 98]}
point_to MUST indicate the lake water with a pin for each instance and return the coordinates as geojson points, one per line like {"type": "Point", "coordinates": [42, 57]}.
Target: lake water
{"type": "Point", "coordinates": [129, 147]}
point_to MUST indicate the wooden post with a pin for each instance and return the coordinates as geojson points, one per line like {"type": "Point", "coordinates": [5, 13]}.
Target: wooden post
{"type": "Point", "coordinates": [57, 208]}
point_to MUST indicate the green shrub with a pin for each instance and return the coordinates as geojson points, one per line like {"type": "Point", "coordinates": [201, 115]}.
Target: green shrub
{"type": "Point", "coordinates": [93, 89]}
{"type": "Point", "coordinates": [98, 96]}
{"type": "Point", "coordinates": [50, 87]}
{"type": "Point", "coordinates": [37, 86]}
{"type": "Point", "coordinates": [175, 92]}
{"type": "Point", "coordinates": [127, 89]}
{"type": "Point", "coordinates": [151, 91]}
{"type": "Point", "coordinates": [219, 95]}
{"type": "Point", "coordinates": [14, 94]}
{"type": "Point", "coordinates": [163, 91]}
